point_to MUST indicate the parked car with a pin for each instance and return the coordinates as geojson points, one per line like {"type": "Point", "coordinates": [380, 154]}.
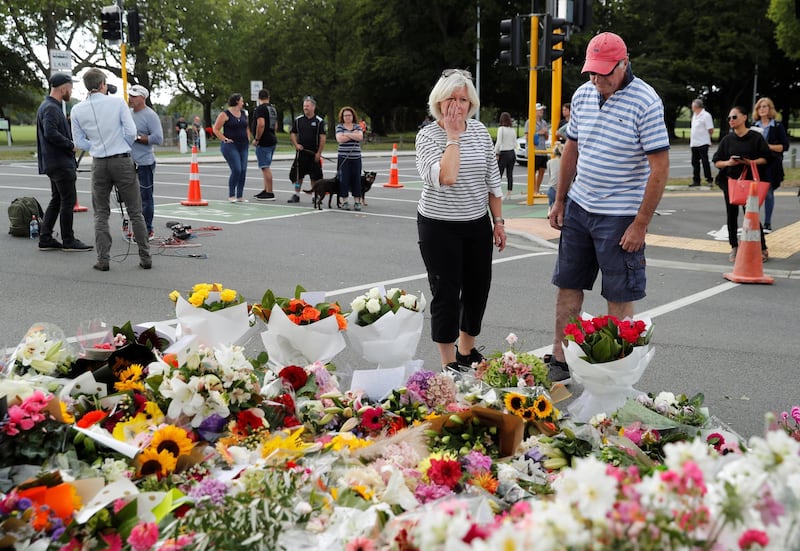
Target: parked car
{"type": "Point", "coordinates": [522, 150]}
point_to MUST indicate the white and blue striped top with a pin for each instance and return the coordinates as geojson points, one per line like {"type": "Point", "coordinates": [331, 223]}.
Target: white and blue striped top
{"type": "Point", "coordinates": [613, 143]}
{"type": "Point", "coordinates": [478, 174]}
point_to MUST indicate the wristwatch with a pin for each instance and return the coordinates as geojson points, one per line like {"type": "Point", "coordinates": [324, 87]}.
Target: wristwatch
{"type": "Point", "coordinates": [499, 220]}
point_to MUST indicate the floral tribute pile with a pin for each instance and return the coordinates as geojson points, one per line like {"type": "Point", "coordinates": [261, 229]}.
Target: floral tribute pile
{"type": "Point", "coordinates": [199, 446]}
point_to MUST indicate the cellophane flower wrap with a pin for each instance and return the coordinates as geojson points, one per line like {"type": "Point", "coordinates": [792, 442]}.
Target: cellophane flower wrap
{"type": "Point", "coordinates": [43, 351]}
{"type": "Point", "coordinates": [385, 327]}
{"type": "Point", "coordinates": [606, 356]}
{"type": "Point", "coordinates": [298, 332]}
{"type": "Point", "coordinates": [212, 313]}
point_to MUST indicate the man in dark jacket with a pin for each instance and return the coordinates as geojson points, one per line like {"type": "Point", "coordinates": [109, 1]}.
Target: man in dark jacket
{"type": "Point", "coordinates": [56, 155]}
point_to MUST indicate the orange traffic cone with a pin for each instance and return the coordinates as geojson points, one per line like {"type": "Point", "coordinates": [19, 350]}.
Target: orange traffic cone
{"type": "Point", "coordinates": [194, 199]}
{"type": "Point", "coordinates": [393, 178]}
{"type": "Point", "coordinates": [749, 268]}
{"type": "Point", "coordinates": [78, 207]}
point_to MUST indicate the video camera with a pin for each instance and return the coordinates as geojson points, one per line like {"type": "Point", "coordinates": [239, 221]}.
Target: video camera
{"type": "Point", "coordinates": [179, 231]}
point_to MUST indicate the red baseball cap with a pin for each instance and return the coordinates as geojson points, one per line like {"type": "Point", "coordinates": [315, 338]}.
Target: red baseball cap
{"type": "Point", "coordinates": [603, 53]}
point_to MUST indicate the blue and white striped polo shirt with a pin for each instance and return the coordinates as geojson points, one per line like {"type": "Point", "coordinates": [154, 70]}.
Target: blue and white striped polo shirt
{"type": "Point", "coordinates": [613, 143]}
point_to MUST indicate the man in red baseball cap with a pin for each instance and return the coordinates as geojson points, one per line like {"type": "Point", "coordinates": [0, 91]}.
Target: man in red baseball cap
{"type": "Point", "coordinates": [613, 171]}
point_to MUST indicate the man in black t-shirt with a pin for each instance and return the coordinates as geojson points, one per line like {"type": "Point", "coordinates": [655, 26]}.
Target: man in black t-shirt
{"type": "Point", "coordinates": [265, 124]}
{"type": "Point", "coordinates": [308, 138]}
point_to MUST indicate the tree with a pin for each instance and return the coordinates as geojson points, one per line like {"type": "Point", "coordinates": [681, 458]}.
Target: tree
{"type": "Point", "coordinates": [787, 26]}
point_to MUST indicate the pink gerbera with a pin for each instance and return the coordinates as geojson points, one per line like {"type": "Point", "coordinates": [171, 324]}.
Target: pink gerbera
{"type": "Point", "coordinates": [361, 543]}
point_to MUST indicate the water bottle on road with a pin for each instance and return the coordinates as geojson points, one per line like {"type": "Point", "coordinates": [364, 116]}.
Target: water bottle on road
{"type": "Point", "coordinates": [34, 228]}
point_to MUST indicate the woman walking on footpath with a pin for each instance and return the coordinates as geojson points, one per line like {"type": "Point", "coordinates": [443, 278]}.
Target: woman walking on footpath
{"type": "Point", "coordinates": [764, 117]}
{"type": "Point", "coordinates": [234, 135]}
{"type": "Point", "coordinates": [504, 150]}
{"type": "Point", "coordinates": [735, 151]}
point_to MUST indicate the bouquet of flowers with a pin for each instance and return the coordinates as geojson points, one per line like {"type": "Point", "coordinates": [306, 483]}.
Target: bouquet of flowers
{"type": "Point", "coordinates": [207, 381]}
{"type": "Point", "coordinates": [512, 369]}
{"type": "Point", "coordinates": [607, 356]}
{"type": "Point", "coordinates": [33, 430]}
{"type": "Point", "coordinates": [385, 328]}
{"type": "Point", "coordinates": [300, 330]}
{"type": "Point", "coordinates": [42, 352]}
{"type": "Point", "coordinates": [212, 313]}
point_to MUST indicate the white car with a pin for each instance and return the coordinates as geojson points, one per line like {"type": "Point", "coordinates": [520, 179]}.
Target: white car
{"type": "Point", "coordinates": [522, 150]}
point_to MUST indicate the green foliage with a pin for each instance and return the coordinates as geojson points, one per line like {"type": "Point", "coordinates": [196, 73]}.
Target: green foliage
{"type": "Point", "coordinates": [787, 26]}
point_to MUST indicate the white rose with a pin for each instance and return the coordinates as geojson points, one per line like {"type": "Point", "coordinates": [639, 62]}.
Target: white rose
{"type": "Point", "coordinates": [408, 301]}
{"type": "Point", "coordinates": [374, 293]}
{"type": "Point", "coordinates": [664, 399]}
{"type": "Point", "coordinates": [373, 306]}
{"type": "Point", "coordinates": [358, 304]}
{"type": "Point", "coordinates": [393, 290]}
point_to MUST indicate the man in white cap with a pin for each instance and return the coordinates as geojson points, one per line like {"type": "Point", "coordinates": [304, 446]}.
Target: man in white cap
{"type": "Point", "coordinates": [614, 168]}
{"type": "Point", "coordinates": [148, 134]}
{"type": "Point", "coordinates": [55, 153]}
{"type": "Point", "coordinates": [540, 143]}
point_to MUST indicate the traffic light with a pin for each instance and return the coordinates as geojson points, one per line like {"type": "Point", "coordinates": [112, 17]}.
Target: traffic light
{"type": "Point", "coordinates": [135, 27]}
{"type": "Point", "coordinates": [579, 14]}
{"type": "Point", "coordinates": [548, 37]}
{"type": "Point", "coordinates": [111, 18]}
{"type": "Point", "coordinates": [511, 40]}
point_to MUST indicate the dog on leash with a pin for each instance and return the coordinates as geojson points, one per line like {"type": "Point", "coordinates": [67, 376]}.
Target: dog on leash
{"type": "Point", "coordinates": [367, 179]}
{"type": "Point", "coordinates": [322, 186]}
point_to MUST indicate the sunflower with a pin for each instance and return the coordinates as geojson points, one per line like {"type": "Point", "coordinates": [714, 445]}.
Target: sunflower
{"type": "Point", "coordinates": [542, 407]}
{"type": "Point", "coordinates": [125, 386]}
{"type": "Point", "coordinates": [132, 373]}
{"type": "Point", "coordinates": [173, 440]}
{"type": "Point", "coordinates": [528, 414]}
{"type": "Point", "coordinates": [514, 402]}
{"type": "Point", "coordinates": [150, 461]}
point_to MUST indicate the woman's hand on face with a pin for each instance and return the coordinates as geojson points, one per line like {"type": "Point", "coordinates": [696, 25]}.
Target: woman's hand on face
{"type": "Point", "coordinates": [453, 117]}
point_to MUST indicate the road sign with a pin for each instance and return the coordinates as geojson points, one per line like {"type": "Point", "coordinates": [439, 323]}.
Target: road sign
{"type": "Point", "coordinates": [60, 61]}
{"type": "Point", "coordinates": [255, 88]}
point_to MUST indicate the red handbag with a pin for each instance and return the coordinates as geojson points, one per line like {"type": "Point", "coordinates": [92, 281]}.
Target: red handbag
{"type": "Point", "coordinates": [739, 188]}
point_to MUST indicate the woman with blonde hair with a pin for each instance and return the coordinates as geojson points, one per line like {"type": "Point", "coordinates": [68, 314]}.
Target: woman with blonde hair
{"type": "Point", "coordinates": [459, 216]}
{"type": "Point", "coordinates": [765, 119]}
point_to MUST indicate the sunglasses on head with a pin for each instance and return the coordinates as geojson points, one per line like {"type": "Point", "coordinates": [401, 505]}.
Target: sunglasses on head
{"type": "Point", "coordinates": [463, 72]}
{"type": "Point", "coordinates": [608, 74]}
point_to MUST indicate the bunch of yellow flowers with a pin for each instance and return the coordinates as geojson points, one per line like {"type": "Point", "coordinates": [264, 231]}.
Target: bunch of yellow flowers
{"type": "Point", "coordinates": [210, 296]}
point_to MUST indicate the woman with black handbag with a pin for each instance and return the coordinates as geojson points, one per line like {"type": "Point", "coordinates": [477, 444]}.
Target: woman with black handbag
{"type": "Point", "coordinates": [735, 152]}
{"type": "Point", "coordinates": [774, 132]}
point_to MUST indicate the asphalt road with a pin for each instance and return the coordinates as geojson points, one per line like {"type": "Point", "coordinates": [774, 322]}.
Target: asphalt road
{"type": "Point", "coordinates": [735, 343]}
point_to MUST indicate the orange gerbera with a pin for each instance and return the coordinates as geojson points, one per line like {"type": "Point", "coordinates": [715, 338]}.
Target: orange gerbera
{"type": "Point", "coordinates": [91, 418]}
{"type": "Point", "coordinates": [486, 481]}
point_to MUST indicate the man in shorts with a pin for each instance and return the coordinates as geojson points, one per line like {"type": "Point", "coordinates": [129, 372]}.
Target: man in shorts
{"type": "Point", "coordinates": [614, 168]}
{"type": "Point", "coordinates": [308, 138]}
{"type": "Point", "coordinates": [265, 124]}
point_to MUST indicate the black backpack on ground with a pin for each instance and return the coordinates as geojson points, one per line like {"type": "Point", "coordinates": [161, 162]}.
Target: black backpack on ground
{"type": "Point", "coordinates": [20, 213]}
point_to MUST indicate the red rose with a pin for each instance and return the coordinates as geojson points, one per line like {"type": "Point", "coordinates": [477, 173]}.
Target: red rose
{"type": "Point", "coordinates": [577, 334]}
{"type": "Point", "coordinates": [294, 375]}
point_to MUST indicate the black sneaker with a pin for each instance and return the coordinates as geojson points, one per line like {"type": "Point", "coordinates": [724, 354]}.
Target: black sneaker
{"type": "Point", "coordinates": [77, 246]}
{"type": "Point", "coordinates": [767, 228]}
{"type": "Point", "coordinates": [294, 199]}
{"type": "Point", "coordinates": [474, 357]}
{"type": "Point", "coordinates": [50, 245]}
{"type": "Point", "coordinates": [558, 372]}
{"type": "Point", "coordinates": [453, 366]}
{"type": "Point", "coordinates": [264, 196]}
{"type": "Point", "coordinates": [694, 184]}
